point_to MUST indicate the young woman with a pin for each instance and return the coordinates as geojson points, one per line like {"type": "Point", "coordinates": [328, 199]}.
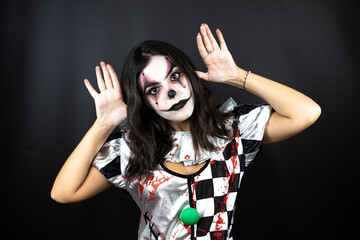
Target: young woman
{"type": "Point", "coordinates": [180, 158]}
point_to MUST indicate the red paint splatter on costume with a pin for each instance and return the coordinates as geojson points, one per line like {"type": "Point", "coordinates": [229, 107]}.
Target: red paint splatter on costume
{"type": "Point", "coordinates": [157, 182]}
{"type": "Point", "coordinates": [152, 185]}
{"type": "Point", "coordinates": [202, 230]}
{"type": "Point", "coordinates": [141, 187]}
{"type": "Point", "coordinates": [174, 235]}
{"type": "Point", "coordinates": [193, 186]}
{"type": "Point", "coordinates": [187, 227]}
{"type": "Point", "coordinates": [151, 199]}
{"type": "Point", "coordinates": [219, 221]}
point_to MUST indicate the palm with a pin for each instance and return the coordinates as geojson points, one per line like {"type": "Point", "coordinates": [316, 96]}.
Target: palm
{"type": "Point", "coordinates": [110, 108]}
{"type": "Point", "coordinates": [220, 64]}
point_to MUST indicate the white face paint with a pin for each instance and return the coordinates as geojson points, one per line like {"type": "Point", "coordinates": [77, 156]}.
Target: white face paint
{"type": "Point", "coordinates": [167, 89]}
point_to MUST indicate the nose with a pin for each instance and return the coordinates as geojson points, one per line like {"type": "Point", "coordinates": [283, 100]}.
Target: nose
{"type": "Point", "coordinates": [171, 93]}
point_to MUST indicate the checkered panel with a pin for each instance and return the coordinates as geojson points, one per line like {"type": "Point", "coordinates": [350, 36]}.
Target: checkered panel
{"type": "Point", "coordinates": [216, 189]}
{"type": "Point", "coordinates": [215, 195]}
{"type": "Point", "coordinates": [219, 169]}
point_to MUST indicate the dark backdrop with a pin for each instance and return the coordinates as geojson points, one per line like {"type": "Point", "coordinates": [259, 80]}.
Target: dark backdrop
{"type": "Point", "coordinates": [305, 187]}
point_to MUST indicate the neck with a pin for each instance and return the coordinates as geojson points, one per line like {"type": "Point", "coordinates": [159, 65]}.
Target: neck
{"type": "Point", "coordinates": [183, 126]}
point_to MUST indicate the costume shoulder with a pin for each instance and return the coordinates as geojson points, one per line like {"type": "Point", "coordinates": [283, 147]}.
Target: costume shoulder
{"type": "Point", "coordinates": [251, 120]}
{"type": "Point", "coordinates": [113, 156]}
{"type": "Point", "coordinates": [249, 125]}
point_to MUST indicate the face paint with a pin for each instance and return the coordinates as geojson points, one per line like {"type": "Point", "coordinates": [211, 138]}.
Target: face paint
{"type": "Point", "coordinates": [170, 66]}
{"type": "Point", "coordinates": [167, 89]}
{"type": "Point", "coordinates": [148, 84]}
{"type": "Point", "coordinates": [174, 77]}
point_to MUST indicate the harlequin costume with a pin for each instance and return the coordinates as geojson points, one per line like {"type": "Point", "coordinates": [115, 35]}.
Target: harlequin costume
{"type": "Point", "coordinates": [211, 191]}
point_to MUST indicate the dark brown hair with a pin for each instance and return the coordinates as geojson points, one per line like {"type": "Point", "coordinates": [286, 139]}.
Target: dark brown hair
{"type": "Point", "coordinates": [150, 134]}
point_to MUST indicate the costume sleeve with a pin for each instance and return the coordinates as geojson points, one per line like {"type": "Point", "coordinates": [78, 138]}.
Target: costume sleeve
{"type": "Point", "coordinates": [112, 159]}
{"type": "Point", "coordinates": [250, 120]}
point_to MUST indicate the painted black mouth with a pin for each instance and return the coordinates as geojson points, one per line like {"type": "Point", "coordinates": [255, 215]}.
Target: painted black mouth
{"type": "Point", "coordinates": [179, 105]}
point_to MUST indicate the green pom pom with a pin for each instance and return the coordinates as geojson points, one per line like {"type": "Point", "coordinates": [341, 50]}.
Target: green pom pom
{"type": "Point", "coordinates": [189, 216]}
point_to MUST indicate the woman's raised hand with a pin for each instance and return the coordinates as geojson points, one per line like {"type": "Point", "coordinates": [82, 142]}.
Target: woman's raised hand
{"type": "Point", "coordinates": [110, 108]}
{"type": "Point", "coordinates": [217, 58]}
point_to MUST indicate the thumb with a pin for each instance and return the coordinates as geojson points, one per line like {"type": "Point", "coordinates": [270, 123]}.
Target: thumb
{"type": "Point", "coordinates": [202, 75]}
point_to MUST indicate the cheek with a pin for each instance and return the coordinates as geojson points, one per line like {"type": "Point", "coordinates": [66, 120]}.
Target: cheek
{"type": "Point", "coordinates": [152, 100]}
{"type": "Point", "coordinates": [184, 86]}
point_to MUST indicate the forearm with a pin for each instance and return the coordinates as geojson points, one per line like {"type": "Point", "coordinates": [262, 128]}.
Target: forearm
{"type": "Point", "coordinates": [286, 101]}
{"type": "Point", "coordinates": [76, 168]}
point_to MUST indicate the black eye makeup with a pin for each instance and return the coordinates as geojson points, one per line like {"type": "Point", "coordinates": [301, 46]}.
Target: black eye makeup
{"type": "Point", "coordinates": [175, 77]}
{"type": "Point", "coordinates": [153, 91]}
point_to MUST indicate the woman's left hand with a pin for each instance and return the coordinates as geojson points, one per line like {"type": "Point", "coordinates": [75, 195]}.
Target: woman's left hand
{"type": "Point", "coordinates": [218, 60]}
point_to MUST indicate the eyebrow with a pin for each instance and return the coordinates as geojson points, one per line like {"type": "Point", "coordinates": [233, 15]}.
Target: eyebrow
{"type": "Point", "coordinates": [148, 83]}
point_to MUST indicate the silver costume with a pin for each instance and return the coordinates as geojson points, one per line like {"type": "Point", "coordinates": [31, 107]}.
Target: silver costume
{"type": "Point", "coordinates": [211, 191]}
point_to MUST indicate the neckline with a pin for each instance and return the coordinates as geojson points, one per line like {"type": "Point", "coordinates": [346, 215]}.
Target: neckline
{"type": "Point", "coordinates": [179, 132]}
{"type": "Point", "coordinates": [184, 175]}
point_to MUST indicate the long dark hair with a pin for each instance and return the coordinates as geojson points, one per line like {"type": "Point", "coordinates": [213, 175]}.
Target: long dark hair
{"type": "Point", "coordinates": [150, 134]}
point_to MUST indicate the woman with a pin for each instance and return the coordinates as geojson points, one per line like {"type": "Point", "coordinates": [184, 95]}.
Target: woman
{"type": "Point", "coordinates": [179, 157]}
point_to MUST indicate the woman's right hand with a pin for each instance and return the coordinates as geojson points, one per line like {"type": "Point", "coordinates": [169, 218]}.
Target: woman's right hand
{"type": "Point", "coordinates": [111, 111]}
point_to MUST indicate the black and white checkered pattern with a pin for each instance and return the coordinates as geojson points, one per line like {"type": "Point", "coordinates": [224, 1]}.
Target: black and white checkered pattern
{"type": "Point", "coordinates": [215, 194]}
{"type": "Point", "coordinates": [215, 189]}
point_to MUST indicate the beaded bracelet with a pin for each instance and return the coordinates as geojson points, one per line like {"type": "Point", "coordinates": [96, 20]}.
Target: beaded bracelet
{"type": "Point", "coordinates": [244, 82]}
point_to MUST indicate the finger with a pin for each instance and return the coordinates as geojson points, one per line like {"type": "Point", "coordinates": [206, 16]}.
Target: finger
{"type": "Point", "coordinates": [206, 39]}
{"type": "Point", "coordinates": [90, 88]}
{"type": "Point", "coordinates": [202, 75]}
{"type": "Point", "coordinates": [106, 74]}
{"type": "Point", "coordinates": [100, 80]}
{"type": "Point", "coordinates": [211, 38]}
{"type": "Point", "coordinates": [201, 47]}
{"type": "Point", "coordinates": [114, 78]}
{"type": "Point", "coordinates": [221, 39]}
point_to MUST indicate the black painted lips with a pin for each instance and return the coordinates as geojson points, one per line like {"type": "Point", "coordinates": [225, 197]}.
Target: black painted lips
{"type": "Point", "coordinates": [179, 105]}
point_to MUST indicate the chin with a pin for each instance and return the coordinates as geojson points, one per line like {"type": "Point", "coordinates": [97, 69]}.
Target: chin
{"type": "Point", "coordinates": [180, 115]}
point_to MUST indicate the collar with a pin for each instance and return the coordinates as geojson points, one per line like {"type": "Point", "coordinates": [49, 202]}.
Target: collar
{"type": "Point", "coordinates": [182, 144]}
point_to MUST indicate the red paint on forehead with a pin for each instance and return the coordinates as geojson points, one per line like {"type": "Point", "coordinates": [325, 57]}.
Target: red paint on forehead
{"type": "Point", "coordinates": [167, 66]}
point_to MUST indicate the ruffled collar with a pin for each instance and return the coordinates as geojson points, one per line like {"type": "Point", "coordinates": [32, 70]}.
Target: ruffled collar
{"type": "Point", "coordinates": [182, 144]}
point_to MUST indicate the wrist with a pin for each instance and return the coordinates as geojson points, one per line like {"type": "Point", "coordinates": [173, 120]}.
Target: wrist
{"type": "Point", "coordinates": [239, 80]}
{"type": "Point", "coordinates": [102, 127]}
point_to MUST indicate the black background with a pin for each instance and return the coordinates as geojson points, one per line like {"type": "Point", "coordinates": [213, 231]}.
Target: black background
{"type": "Point", "coordinates": [305, 187]}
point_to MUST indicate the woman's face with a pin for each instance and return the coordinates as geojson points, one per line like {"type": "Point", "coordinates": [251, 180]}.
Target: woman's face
{"type": "Point", "coordinates": [167, 89]}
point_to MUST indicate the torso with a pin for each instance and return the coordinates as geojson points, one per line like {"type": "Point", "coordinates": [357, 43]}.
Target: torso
{"type": "Point", "coordinates": [181, 169]}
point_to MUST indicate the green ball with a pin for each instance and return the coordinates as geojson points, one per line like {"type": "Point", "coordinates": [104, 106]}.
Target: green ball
{"type": "Point", "coordinates": [189, 216]}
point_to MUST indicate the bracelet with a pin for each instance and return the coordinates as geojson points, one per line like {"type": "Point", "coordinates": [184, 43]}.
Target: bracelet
{"type": "Point", "coordinates": [244, 82]}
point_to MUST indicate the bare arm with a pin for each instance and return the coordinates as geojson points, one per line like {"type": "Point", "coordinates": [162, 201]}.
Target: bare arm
{"type": "Point", "coordinates": [78, 179]}
{"type": "Point", "coordinates": [293, 111]}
